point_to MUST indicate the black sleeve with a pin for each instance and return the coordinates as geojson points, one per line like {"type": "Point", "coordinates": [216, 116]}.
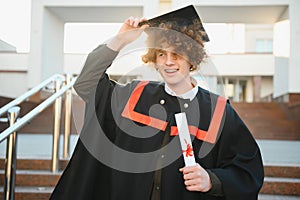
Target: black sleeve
{"type": "Point", "coordinates": [217, 189]}
{"type": "Point", "coordinates": [95, 65]}
{"type": "Point", "coordinates": [239, 162]}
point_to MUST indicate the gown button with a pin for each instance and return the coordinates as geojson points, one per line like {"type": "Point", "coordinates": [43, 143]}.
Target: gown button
{"type": "Point", "coordinates": [162, 102]}
{"type": "Point", "coordinates": [185, 105]}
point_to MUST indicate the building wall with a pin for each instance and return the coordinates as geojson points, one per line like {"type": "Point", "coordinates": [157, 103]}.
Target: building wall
{"type": "Point", "coordinates": [5, 47]}
{"type": "Point", "coordinates": [266, 86]}
{"type": "Point", "coordinates": [249, 89]}
{"type": "Point", "coordinates": [13, 84]}
{"type": "Point", "coordinates": [13, 69]}
{"type": "Point", "coordinates": [254, 32]}
{"type": "Point", "coordinates": [13, 74]}
{"type": "Point", "coordinates": [218, 65]}
{"type": "Point", "coordinates": [13, 61]}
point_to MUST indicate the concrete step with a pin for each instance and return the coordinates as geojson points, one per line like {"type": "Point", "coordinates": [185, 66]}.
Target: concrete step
{"type": "Point", "coordinates": [281, 186]}
{"type": "Point", "coordinates": [277, 197]}
{"type": "Point", "coordinates": [287, 171]}
{"type": "Point", "coordinates": [280, 170]}
{"type": "Point", "coordinates": [272, 110]}
{"type": "Point", "coordinates": [34, 178]}
{"type": "Point", "coordinates": [32, 193]}
{"type": "Point", "coordinates": [280, 180]}
{"type": "Point", "coordinates": [274, 129]}
{"type": "Point", "coordinates": [269, 120]}
{"type": "Point", "coordinates": [35, 164]}
{"type": "Point", "coordinates": [281, 159]}
{"type": "Point", "coordinates": [43, 193]}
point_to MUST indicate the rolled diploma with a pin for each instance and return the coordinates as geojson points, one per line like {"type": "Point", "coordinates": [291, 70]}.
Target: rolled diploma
{"type": "Point", "coordinates": [185, 139]}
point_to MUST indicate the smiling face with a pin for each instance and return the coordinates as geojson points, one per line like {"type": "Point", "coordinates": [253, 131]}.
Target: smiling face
{"type": "Point", "coordinates": [174, 69]}
{"type": "Point", "coordinates": [175, 50]}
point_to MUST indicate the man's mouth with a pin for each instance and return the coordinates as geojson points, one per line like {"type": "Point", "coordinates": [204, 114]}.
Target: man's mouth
{"type": "Point", "coordinates": [171, 70]}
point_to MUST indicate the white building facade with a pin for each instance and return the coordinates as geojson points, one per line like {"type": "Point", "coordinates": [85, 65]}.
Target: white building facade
{"type": "Point", "coordinates": [258, 62]}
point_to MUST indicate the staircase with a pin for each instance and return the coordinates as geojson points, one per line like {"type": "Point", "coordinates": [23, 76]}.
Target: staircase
{"type": "Point", "coordinates": [267, 121]}
{"type": "Point", "coordinates": [272, 122]}
{"type": "Point", "coordinates": [285, 179]}
{"type": "Point", "coordinates": [34, 180]}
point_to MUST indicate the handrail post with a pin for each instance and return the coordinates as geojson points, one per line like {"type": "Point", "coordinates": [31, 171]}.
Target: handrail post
{"type": "Point", "coordinates": [56, 127]}
{"type": "Point", "coordinates": [11, 156]}
{"type": "Point", "coordinates": [68, 110]}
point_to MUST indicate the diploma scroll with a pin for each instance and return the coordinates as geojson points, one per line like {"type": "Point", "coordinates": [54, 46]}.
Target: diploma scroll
{"type": "Point", "coordinates": [185, 139]}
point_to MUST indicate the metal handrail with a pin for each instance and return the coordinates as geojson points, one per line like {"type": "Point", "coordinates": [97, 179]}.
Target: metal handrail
{"type": "Point", "coordinates": [10, 133]}
{"type": "Point", "coordinates": [34, 112]}
{"type": "Point", "coordinates": [29, 93]}
{"type": "Point", "coordinates": [11, 157]}
{"type": "Point", "coordinates": [68, 113]}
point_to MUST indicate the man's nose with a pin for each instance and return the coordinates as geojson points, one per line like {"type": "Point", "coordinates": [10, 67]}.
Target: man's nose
{"type": "Point", "coordinates": [170, 59]}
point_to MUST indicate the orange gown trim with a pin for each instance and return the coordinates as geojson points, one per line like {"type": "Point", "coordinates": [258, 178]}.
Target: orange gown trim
{"type": "Point", "coordinates": [208, 136]}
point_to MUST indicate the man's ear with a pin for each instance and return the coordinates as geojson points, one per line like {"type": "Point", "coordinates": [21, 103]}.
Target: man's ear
{"type": "Point", "coordinates": [193, 68]}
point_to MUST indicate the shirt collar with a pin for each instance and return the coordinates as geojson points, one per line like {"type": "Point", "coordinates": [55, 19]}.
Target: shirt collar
{"type": "Point", "coordinates": [191, 94]}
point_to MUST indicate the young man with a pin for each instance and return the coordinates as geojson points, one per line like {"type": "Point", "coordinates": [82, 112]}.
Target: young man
{"type": "Point", "coordinates": [129, 147]}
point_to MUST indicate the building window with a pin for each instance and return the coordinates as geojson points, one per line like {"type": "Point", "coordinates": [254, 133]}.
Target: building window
{"type": "Point", "coordinates": [264, 45]}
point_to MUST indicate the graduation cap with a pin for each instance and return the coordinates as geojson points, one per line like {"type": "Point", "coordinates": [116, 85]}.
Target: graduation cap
{"type": "Point", "coordinates": [183, 17]}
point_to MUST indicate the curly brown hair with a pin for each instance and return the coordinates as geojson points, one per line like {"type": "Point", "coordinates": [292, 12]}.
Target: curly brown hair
{"type": "Point", "coordinates": [186, 40]}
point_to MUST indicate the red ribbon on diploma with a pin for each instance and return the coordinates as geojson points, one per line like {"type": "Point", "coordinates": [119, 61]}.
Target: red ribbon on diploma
{"type": "Point", "coordinates": [189, 150]}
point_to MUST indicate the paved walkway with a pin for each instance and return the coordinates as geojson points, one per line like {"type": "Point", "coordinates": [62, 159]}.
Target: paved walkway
{"type": "Point", "coordinates": [37, 145]}
{"type": "Point", "coordinates": [280, 152]}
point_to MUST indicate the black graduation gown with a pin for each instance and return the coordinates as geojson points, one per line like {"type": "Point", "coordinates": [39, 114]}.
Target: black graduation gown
{"type": "Point", "coordinates": [114, 157]}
